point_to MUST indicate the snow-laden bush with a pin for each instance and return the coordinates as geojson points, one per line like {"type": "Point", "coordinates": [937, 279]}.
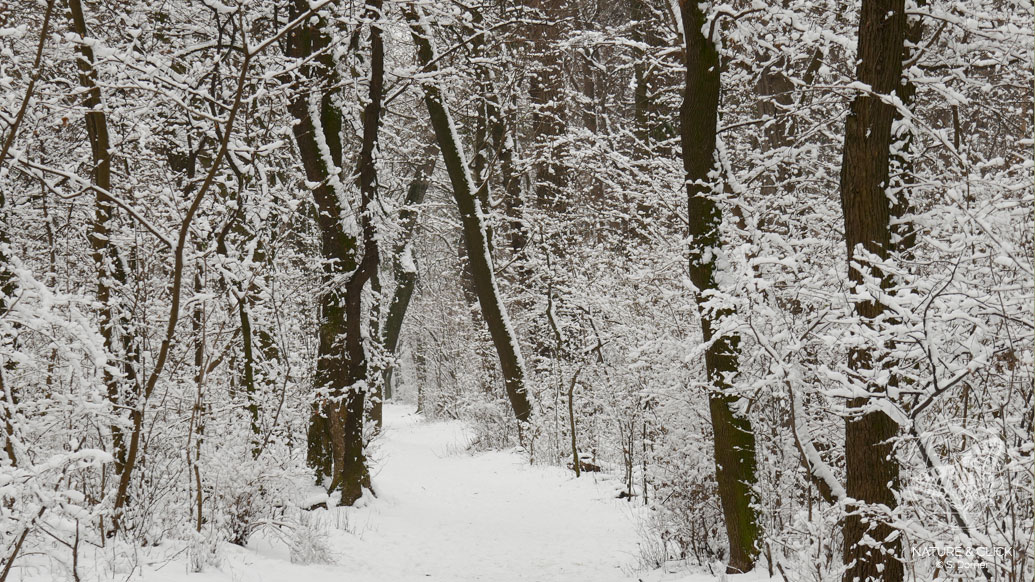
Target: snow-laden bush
{"type": "Point", "coordinates": [309, 542]}
{"type": "Point", "coordinates": [686, 518]}
{"type": "Point", "coordinates": [243, 493]}
{"type": "Point", "coordinates": [492, 424]}
{"type": "Point", "coordinates": [203, 550]}
{"type": "Point", "coordinates": [53, 416]}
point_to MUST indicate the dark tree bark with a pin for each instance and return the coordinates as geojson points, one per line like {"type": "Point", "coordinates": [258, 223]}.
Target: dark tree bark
{"type": "Point", "coordinates": [775, 91]}
{"type": "Point", "coordinates": [591, 118]}
{"type": "Point", "coordinates": [335, 438]}
{"type": "Point", "coordinates": [377, 371]}
{"type": "Point", "coordinates": [575, 463]}
{"type": "Point", "coordinates": [404, 263]}
{"type": "Point", "coordinates": [464, 192]}
{"type": "Point", "coordinates": [645, 31]}
{"type": "Point", "coordinates": [110, 273]}
{"type": "Point", "coordinates": [197, 424]}
{"type": "Point", "coordinates": [367, 170]}
{"type": "Point", "coordinates": [639, 11]}
{"type": "Point", "coordinates": [734, 439]}
{"type": "Point", "coordinates": [503, 134]}
{"type": "Point", "coordinates": [872, 473]}
{"type": "Point", "coordinates": [481, 171]}
{"type": "Point", "coordinates": [248, 367]}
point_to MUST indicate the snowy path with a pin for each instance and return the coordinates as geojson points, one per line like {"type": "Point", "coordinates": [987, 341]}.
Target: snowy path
{"type": "Point", "coordinates": [445, 514]}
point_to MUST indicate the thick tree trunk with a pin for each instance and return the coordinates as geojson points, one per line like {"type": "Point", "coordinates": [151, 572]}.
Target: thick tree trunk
{"type": "Point", "coordinates": [591, 120]}
{"type": "Point", "coordinates": [872, 545]}
{"type": "Point", "coordinates": [775, 91]}
{"type": "Point", "coordinates": [639, 12]}
{"type": "Point", "coordinates": [335, 439]}
{"type": "Point", "coordinates": [643, 31]}
{"type": "Point", "coordinates": [464, 192]}
{"type": "Point", "coordinates": [504, 137]}
{"type": "Point", "coordinates": [734, 439]}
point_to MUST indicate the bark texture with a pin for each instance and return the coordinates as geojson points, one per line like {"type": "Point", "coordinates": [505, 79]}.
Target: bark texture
{"type": "Point", "coordinates": [546, 92]}
{"type": "Point", "coordinates": [404, 264]}
{"type": "Point", "coordinates": [872, 548]}
{"type": "Point", "coordinates": [335, 438]}
{"type": "Point", "coordinates": [475, 237]}
{"type": "Point", "coordinates": [734, 439]}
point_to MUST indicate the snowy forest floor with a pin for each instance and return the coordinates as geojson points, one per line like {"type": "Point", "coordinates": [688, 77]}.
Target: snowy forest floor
{"type": "Point", "coordinates": [445, 513]}
{"type": "Point", "coordinates": [442, 513]}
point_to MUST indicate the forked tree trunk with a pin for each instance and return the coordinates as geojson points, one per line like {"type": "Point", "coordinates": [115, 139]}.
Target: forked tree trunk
{"type": "Point", "coordinates": [872, 546]}
{"type": "Point", "coordinates": [734, 439]}
{"type": "Point", "coordinates": [335, 438]}
{"type": "Point", "coordinates": [503, 337]}
{"type": "Point", "coordinates": [404, 264]}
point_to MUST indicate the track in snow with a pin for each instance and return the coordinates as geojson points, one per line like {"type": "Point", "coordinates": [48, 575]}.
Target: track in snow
{"type": "Point", "coordinates": [445, 514]}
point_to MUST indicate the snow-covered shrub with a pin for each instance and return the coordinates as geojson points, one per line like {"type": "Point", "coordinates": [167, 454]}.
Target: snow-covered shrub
{"type": "Point", "coordinates": [203, 550]}
{"type": "Point", "coordinates": [685, 515]}
{"type": "Point", "coordinates": [492, 424]}
{"type": "Point", "coordinates": [241, 493]}
{"type": "Point", "coordinates": [53, 415]}
{"type": "Point", "coordinates": [309, 543]}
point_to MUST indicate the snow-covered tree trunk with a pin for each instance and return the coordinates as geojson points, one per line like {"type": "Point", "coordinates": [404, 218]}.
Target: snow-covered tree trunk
{"type": "Point", "coordinates": [404, 264]}
{"type": "Point", "coordinates": [111, 275]}
{"type": "Point", "coordinates": [464, 192]}
{"type": "Point", "coordinates": [734, 440]}
{"type": "Point", "coordinates": [546, 91]}
{"type": "Point", "coordinates": [367, 171]}
{"type": "Point", "coordinates": [335, 438]}
{"type": "Point", "coordinates": [872, 545]}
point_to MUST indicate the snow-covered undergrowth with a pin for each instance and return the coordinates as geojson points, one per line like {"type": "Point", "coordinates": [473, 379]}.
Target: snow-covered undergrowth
{"type": "Point", "coordinates": [441, 513]}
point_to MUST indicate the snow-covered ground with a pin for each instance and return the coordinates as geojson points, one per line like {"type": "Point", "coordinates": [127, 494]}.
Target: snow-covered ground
{"type": "Point", "coordinates": [443, 513]}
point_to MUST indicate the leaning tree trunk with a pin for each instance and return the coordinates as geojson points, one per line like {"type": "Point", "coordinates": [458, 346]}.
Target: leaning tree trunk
{"type": "Point", "coordinates": [734, 439]}
{"type": "Point", "coordinates": [335, 438]}
{"type": "Point", "coordinates": [872, 545]}
{"type": "Point", "coordinates": [503, 337]}
{"type": "Point", "coordinates": [404, 264]}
